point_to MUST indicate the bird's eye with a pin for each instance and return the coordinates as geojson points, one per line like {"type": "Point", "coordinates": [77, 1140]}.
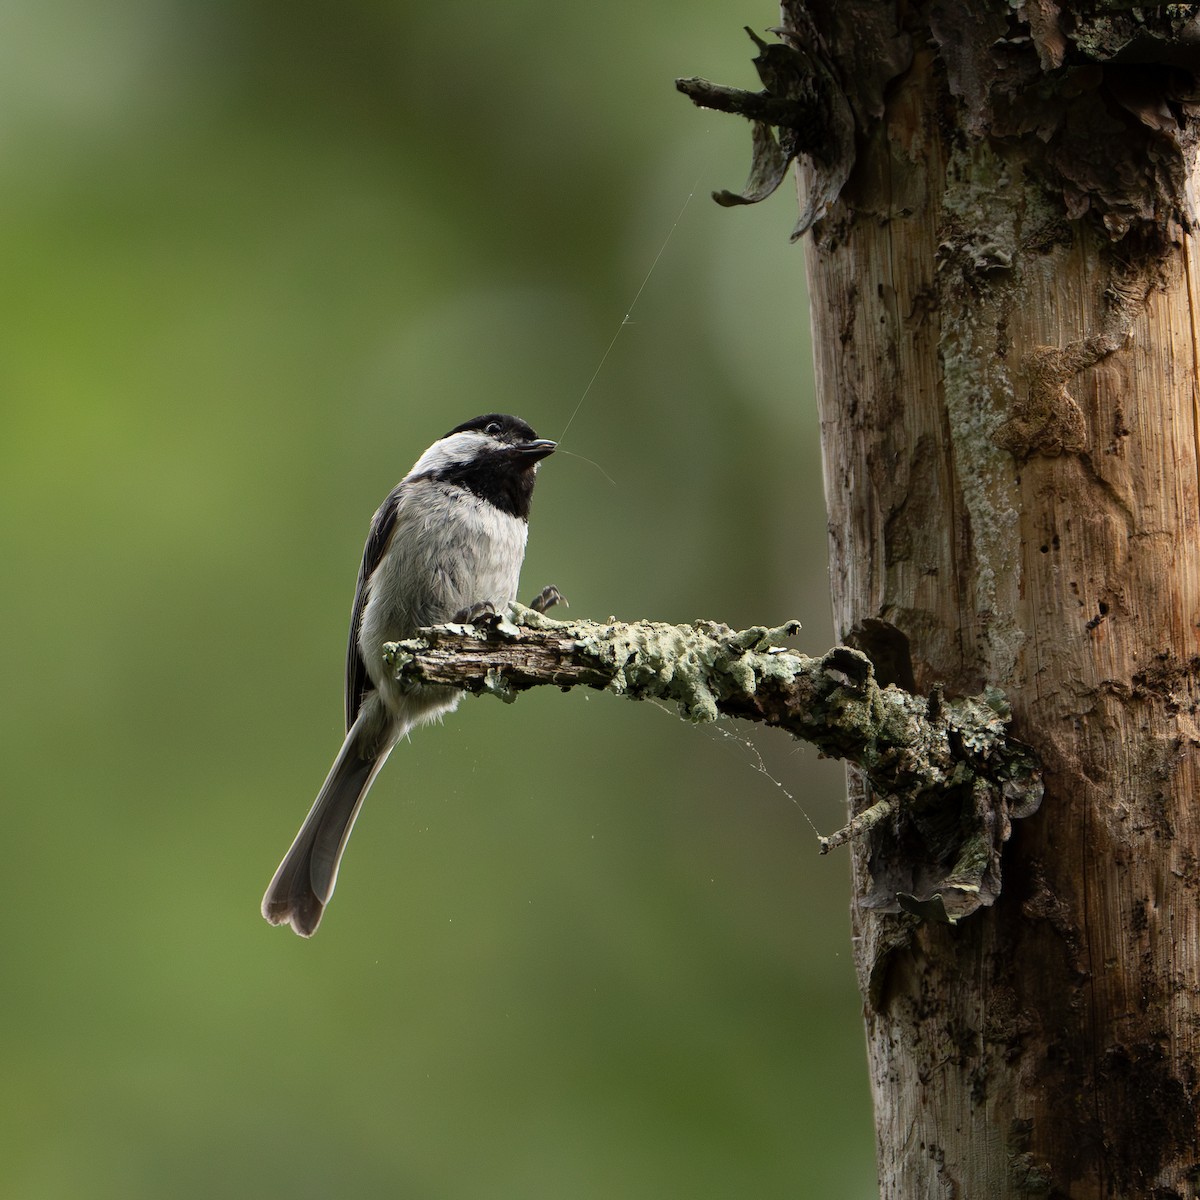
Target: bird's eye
{"type": "Point", "coordinates": [493, 427]}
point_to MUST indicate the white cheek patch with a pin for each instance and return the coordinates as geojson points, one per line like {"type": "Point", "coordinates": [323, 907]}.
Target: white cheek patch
{"type": "Point", "coordinates": [451, 451]}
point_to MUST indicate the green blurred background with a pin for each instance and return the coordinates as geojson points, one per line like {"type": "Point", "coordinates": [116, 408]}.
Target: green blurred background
{"type": "Point", "coordinates": [256, 256]}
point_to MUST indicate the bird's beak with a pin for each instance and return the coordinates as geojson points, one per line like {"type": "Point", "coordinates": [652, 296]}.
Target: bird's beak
{"type": "Point", "coordinates": [534, 451]}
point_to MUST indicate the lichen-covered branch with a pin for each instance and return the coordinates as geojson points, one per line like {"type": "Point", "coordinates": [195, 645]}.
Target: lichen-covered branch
{"type": "Point", "coordinates": [950, 775]}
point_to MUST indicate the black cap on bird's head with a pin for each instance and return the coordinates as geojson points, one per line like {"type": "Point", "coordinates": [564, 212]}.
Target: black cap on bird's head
{"type": "Point", "coordinates": [500, 425]}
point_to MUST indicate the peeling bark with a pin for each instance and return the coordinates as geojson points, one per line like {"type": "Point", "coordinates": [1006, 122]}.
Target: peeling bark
{"type": "Point", "coordinates": [1005, 309]}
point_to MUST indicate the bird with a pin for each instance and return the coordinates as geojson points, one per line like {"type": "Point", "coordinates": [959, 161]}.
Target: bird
{"type": "Point", "coordinates": [446, 544]}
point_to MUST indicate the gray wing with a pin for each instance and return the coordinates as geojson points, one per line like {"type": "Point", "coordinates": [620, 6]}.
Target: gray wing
{"type": "Point", "coordinates": [358, 682]}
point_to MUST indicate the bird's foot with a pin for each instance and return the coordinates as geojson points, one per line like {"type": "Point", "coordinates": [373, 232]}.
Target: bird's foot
{"type": "Point", "coordinates": [548, 597]}
{"type": "Point", "coordinates": [473, 614]}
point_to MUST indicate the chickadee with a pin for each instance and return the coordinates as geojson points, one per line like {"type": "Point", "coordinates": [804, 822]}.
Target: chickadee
{"type": "Point", "coordinates": [446, 544]}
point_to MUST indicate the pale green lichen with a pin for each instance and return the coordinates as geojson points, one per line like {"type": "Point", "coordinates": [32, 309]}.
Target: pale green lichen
{"type": "Point", "coordinates": [686, 664]}
{"type": "Point", "coordinates": [976, 291]}
{"type": "Point", "coordinates": [396, 657]}
{"type": "Point", "coordinates": [496, 685]}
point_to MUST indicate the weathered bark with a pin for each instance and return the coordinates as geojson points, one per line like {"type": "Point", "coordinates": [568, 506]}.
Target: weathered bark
{"type": "Point", "coordinates": [1004, 298]}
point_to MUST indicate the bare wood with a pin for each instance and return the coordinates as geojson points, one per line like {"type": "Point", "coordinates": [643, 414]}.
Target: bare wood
{"type": "Point", "coordinates": [1005, 312]}
{"type": "Point", "coordinates": [1009, 423]}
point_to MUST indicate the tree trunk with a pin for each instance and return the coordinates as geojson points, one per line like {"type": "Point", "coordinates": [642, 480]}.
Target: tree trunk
{"type": "Point", "coordinates": [1004, 303]}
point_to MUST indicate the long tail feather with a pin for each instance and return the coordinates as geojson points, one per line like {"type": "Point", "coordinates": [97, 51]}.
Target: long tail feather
{"type": "Point", "coordinates": [305, 880]}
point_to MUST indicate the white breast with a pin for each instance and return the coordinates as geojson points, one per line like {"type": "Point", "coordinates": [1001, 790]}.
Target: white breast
{"type": "Point", "coordinates": [449, 550]}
